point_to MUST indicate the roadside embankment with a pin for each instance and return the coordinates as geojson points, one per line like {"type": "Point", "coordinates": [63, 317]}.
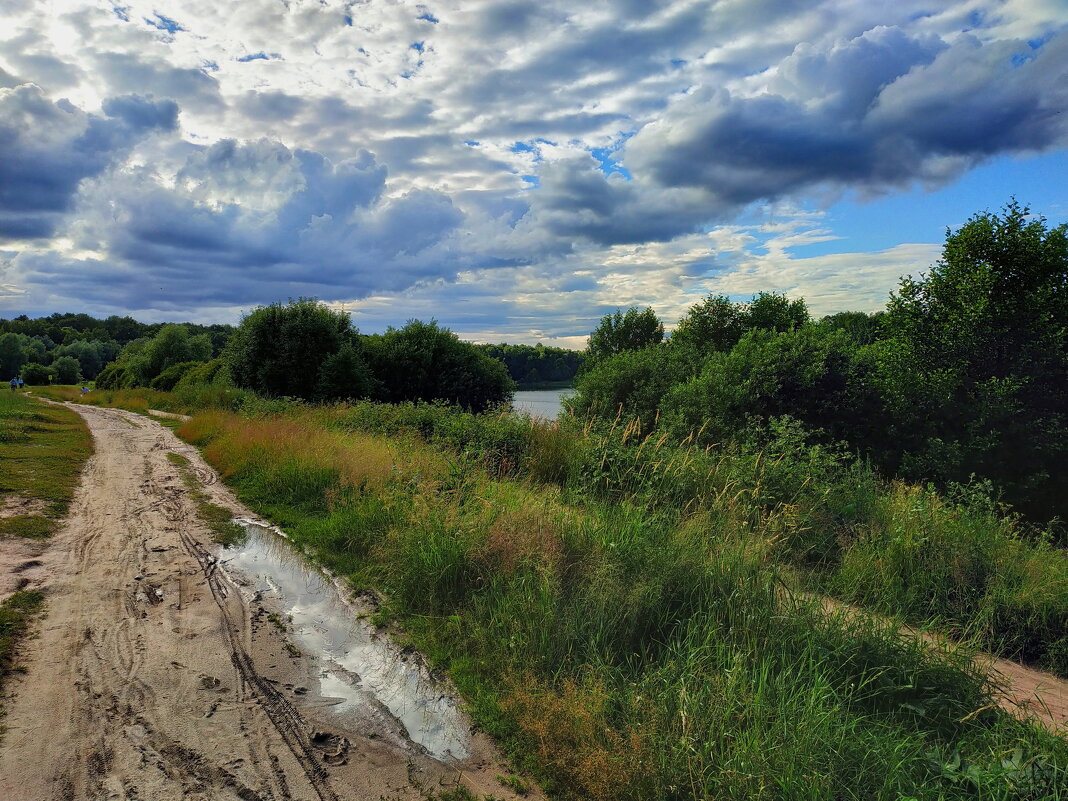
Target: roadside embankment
{"type": "Point", "coordinates": [611, 607]}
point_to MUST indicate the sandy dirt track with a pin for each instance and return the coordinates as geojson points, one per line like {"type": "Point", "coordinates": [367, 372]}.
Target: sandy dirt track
{"type": "Point", "coordinates": [154, 678]}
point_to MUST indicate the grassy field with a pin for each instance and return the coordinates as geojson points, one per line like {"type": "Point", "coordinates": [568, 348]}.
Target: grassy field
{"type": "Point", "coordinates": [613, 610]}
{"type": "Point", "coordinates": [42, 450]}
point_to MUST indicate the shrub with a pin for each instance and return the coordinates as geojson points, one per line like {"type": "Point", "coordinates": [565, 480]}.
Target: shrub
{"type": "Point", "coordinates": [423, 361]}
{"type": "Point", "coordinates": [37, 374]}
{"type": "Point", "coordinates": [169, 378]}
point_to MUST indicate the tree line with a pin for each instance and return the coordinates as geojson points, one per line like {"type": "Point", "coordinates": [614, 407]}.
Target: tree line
{"type": "Point", "coordinates": [961, 380]}
{"type": "Point", "coordinates": [304, 349]}
{"type": "Point", "coordinates": [67, 348]}
{"type": "Point", "coordinates": [534, 366]}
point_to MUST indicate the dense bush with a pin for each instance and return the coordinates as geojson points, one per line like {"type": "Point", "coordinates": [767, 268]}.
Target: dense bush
{"type": "Point", "coordinates": [116, 376]}
{"type": "Point", "coordinates": [37, 374]}
{"type": "Point", "coordinates": [621, 332]}
{"type": "Point", "coordinates": [279, 350]}
{"type": "Point", "coordinates": [423, 361]}
{"type": "Point", "coordinates": [169, 378]}
{"type": "Point", "coordinates": [67, 370]}
{"type": "Point", "coordinates": [963, 374]}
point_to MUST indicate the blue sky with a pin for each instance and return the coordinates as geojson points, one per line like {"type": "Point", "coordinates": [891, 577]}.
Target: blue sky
{"type": "Point", "coordinates": [514, 170]}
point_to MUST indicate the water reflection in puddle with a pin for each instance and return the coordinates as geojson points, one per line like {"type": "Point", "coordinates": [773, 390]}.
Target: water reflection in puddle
{"type": "Point", "coordinates": [361, 668]}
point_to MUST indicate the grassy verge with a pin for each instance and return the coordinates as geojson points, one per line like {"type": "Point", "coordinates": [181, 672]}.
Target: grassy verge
{"type": "Point", "coordinates": [42, 450]}
{"type": "Point", "coordinates": [16, 613]}
{"type": "Point", "coordinates": [142, 399]}
{"type": "Point", "coordinates": [217, 518]}
{"type": "Point", "coordinates": [612, 610]}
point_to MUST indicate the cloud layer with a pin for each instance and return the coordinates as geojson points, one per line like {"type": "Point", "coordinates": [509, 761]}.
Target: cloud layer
{"type": "Point", "coordinates": [511, 168]}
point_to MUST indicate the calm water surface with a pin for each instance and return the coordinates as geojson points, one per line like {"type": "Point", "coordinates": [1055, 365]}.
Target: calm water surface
{"type": "Point", "coordinates": [542, 403]}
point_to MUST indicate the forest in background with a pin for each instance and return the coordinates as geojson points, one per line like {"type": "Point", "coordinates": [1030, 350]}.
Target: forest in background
{"type": "Point", "coordinates": [67, 348]}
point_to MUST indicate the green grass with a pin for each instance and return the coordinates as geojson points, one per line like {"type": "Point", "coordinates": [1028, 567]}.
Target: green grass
{"type": "Point", "coordinates": [34, 527]}
{"type": "Point", "coordinates": [16, 614]}
{"type": "Point", "coordinates": [42, 450]}
{"type": "Point", "coordinates": [615, 616]}
{"type": "Point", "coordinates": [218, 519]}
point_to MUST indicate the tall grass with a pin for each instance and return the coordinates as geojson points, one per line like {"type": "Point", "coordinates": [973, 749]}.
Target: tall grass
{"type": "Point", "coordinates": [896, 549]}
{"type": "Point", "coordinates": [618, 619]}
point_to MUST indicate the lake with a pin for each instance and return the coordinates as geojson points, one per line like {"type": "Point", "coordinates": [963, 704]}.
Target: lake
{"type": "Point", "coordinates": [545, 404]}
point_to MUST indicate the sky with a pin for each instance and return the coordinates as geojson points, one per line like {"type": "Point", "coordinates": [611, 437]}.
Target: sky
{"type": "Point", "coordinates": [512, 169]}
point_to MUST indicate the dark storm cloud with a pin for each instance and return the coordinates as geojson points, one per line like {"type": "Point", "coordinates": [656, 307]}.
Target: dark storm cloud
{"type": "Point", "coordinates": [879, 112]}
{"type": "Point", "coordinates": [261, 220]}
{"type": "Point", "coordinates": [47, 148]}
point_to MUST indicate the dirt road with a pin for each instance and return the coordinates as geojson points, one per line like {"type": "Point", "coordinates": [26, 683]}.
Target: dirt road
{"type": "Point", "coordinates": [155, 677]}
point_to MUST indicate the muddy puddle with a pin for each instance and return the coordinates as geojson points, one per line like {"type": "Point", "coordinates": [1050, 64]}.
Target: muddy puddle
{"type": "Point", "coordinates": [360, 672]}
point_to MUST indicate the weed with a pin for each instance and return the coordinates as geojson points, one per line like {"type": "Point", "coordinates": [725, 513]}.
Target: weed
{"type": "Point", "coordinates": [515, 784]}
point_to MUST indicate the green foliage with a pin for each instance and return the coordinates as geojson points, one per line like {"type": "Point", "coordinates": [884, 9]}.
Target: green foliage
{"type": "Point", "coordinates": [619, 332]}
{"type": "Point", "coordinates": [66, 370]}
{"type": "Point", "coordinates": [116, 376]}
{"type": "Point", "coordinates": [12, 356]}
{"type": "Point", "coordinates": [345, 374]}
{"type": "Point", "coordinates": [173, 345]}
{"type": "Point", "coordinates": [717, 324]}
{"type": "Point", "coordinates": [423, 361]}
{"type": "Point", "coordinates": [169, 378]}
{"type": "Point", "coordinates": [538, 365]}
{"type": "Point", "coordinates": [37, 374]}
{"type": "Point", "coordinates": [632, 383]}
{"type": "Point", "coordinates": [976, 357]}
{"type": "Point", "coordinates": [279, 350]}
{"type": "Point", "coordinates": [809, 373]}
{"type": "Point", "coordinates": [214, 372]}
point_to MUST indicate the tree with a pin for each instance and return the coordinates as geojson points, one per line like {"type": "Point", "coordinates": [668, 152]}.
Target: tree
{"type": "Point", "coordinates": [619, 332]}
{"type": "Point", "coordinates": [67, 370]}
{"type": "Point", "coordinates": [717, 324]}
{"type": "Point", "coordinates": [12, 356]}
{"type": "Point", "coordinates": [976, 357]}
{"type": "Point", "coordinates": [36, 374]}
{"type": "Point", "coordinates": [345, 374]}
{"type": "Point", "coordinates": [169, 378]}
{"type": "Point", "coordinates": [423, 361]}
{"type": "Point", "coordinates": [173, 345]}
{"type": "Point", "coordinates": [280, 349]}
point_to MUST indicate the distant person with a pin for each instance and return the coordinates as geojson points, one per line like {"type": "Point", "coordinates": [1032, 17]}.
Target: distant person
{"type": "Point", "coordinates": [21, 382]}
{"type": "Point", "coordinates": [14, 382]}
{"type": "Point", "coordinates": [85, 390]}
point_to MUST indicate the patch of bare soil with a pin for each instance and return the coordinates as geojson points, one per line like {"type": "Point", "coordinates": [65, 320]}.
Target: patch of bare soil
{"type": "Point", "coordinates": [152, 676]}
{"type": "Point", "coordinates": [15, 505]}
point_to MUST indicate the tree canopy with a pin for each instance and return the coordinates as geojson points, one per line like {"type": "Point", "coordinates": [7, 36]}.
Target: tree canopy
{"type": "Point", "coordinates": [624, 331]}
